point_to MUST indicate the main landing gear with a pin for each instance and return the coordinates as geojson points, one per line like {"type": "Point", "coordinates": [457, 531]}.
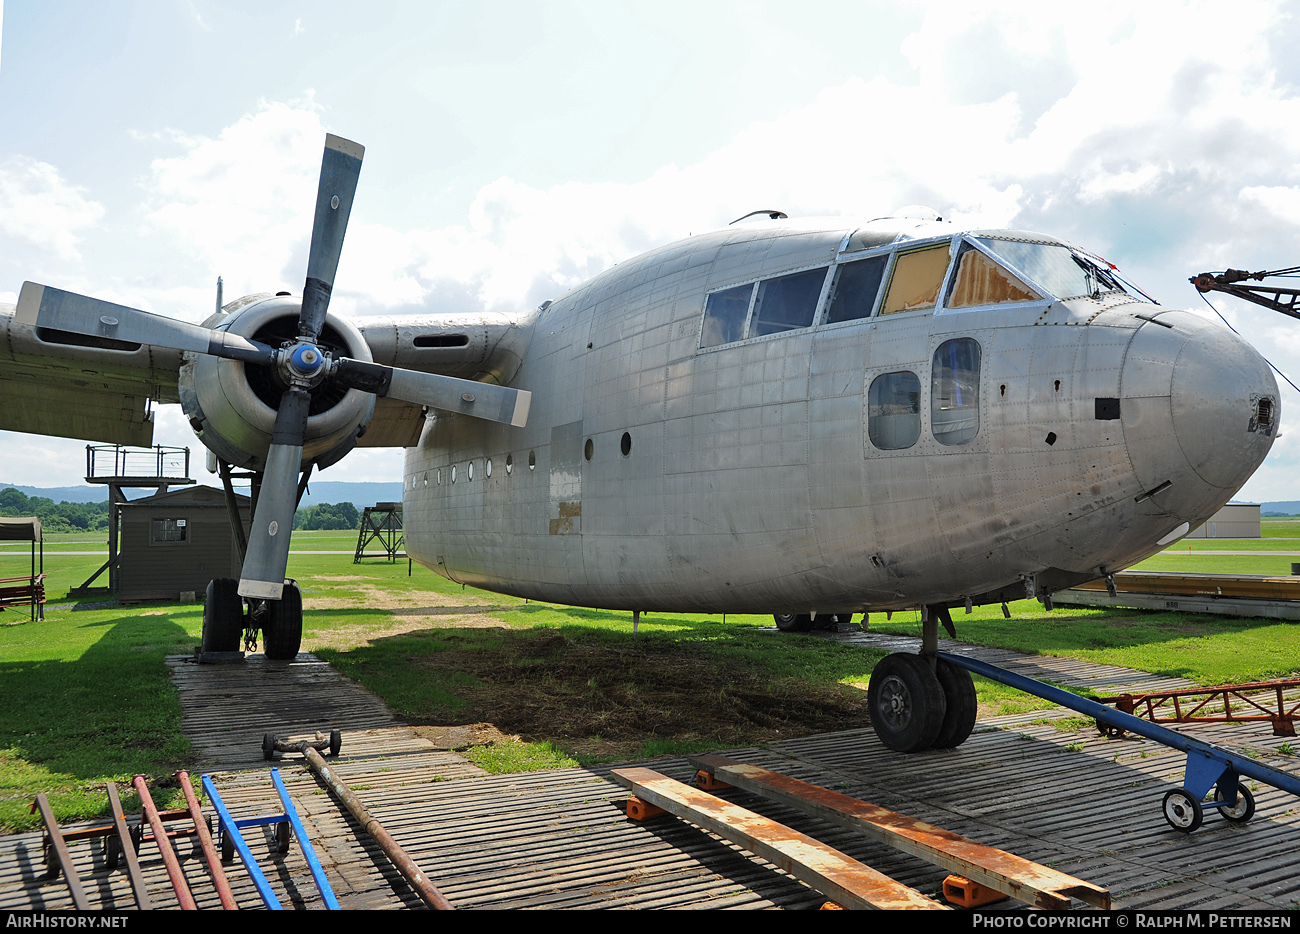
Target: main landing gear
{"type": "Point", "coordinates": [804, 622]}
{"type": "Point", "coordinates": [225, 619]}
{"type": "Point", "coordinates": [919, 701]}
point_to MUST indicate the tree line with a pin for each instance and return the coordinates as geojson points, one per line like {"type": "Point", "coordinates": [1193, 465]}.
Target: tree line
{"type": "Point", "coordinates": [93, 517]}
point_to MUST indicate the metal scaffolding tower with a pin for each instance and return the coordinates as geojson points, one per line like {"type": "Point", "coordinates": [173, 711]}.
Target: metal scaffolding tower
{"type": "Point", "coordinates": [381, 523]}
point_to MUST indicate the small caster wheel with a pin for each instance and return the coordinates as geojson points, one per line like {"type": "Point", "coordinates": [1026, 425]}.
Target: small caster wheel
{"type": "Point", "coordinates": [1243, 810]}
{"type": "Point", "coordinates": [1182, 811]}
{"type": "Point", "coordinates": [336, 742]}
{"type": "Point", "coordinates": [268, 747]}
{"type": "Point", "coordinates": [282, 837]}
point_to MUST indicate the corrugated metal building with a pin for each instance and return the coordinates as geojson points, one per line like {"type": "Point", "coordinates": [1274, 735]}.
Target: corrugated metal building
{"type": "Point", "coordinates": [173, 543]}
{"type": "Point", "coordinates": [1235, 520]}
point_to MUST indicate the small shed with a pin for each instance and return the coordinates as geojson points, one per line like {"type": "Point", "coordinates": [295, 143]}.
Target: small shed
{"type": "Point", "coordinates": [25, 591]}
{"type": "Point", "coordinates": [173, 543]}
{"type": "Point", "coordinates": [1235, 520]}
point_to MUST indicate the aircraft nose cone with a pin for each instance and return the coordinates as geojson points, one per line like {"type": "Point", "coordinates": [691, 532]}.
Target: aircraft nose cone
{"type": "Point", "coordinates": [1224, 403]}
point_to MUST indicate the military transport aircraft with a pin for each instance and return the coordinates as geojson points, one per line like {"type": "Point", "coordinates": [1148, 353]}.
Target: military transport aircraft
{"type": "Point", "coordinates": [804, 418]}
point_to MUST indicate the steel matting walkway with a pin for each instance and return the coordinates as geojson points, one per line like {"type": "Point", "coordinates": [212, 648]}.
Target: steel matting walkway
{"type": "Point", "coordinates": [1035, 784]}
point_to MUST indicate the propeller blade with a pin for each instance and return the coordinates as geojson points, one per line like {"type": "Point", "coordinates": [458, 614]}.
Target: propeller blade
{"type": "Point", "coordinates": [481, 400]}
{"type": "Point", "coordinates": [339, 170]}
{"type": "Point", "coordinates": [46, 307]}
{"type": "Point", "coordinates": [268, 543]}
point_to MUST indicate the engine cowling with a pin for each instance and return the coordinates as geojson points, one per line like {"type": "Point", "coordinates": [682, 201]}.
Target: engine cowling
{"type": "Point", "coordinates": [232, 405]}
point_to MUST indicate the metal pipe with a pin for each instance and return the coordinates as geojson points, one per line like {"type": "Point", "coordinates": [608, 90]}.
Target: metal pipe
{"type": "Point", "coordinates": [205, 840]}
{"type": "Point", "coordinates": [164, 846]}
{"type": "Point", "coordinates": [392, 849]}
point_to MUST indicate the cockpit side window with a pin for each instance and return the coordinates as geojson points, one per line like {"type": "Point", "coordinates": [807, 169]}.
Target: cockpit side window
{"type": "Point", "coordinates": [916, 280]}
{"type": "Point", "coordinates": [787, 302]}
{"type": "Point", "coordinates": [982, 281]}
{"type": "Point", "coordinates": [853, 295]}
{"type": "Point", "coordinates": [955, 391]}
{"type": "Point", "coordinates": [724, 315]}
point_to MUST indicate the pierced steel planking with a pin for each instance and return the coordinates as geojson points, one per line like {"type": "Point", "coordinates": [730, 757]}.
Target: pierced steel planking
{"type": "Point", "coordinates": [1013, 875]}
{"type": "Point", "coordinates": [834, 874]}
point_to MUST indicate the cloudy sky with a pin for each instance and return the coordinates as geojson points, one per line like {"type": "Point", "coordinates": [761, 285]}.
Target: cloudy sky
{"type": "Point", "coordinates": [514, 149]}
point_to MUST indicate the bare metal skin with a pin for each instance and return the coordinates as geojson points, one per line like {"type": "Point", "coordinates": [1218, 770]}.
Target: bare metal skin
{"type": "Point", "coordinates": [1105, 426]}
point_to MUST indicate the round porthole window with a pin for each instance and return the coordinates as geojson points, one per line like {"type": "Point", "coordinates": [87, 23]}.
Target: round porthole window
{"type": "Point", "coordinates": [438, 476]}
{"type": "Point", "coordinates": [487, 467]}
{"type": "Point", "coordinates": [426, 478]}
{"type": "Point", "coordinates": [453, 473]}
{"type": "Point", "coordinates": [589, 449]}
{"type": "Point", "coordinates": [626, 444]}
{"type": "Point", "coordinates": [510, 463]}
{"type": "Point", "coordinates": [469, 470]}
{"type": "Point", "coordinates": [532, 460]}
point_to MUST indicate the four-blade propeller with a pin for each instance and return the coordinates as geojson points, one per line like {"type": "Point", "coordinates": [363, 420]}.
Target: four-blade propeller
{"type": "Point", "coordinates": [300, 364]}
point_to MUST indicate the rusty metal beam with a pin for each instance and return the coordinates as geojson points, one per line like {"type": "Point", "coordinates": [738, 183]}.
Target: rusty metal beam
{"type": "Point", "coordinates": [1282, 711]}
{"type": "Point", "coordinates": [205, 840]}
{"type": "Point", "coordinates": [1258, 587]}
{"type": "Point", "coordinates": [992, 868]}
{"type": "Point", "coordinates": [133, 873]}
{"type": "Point", "coordinates": [834, 874]}
{"type": "Point", "coordinates": [54, 840]}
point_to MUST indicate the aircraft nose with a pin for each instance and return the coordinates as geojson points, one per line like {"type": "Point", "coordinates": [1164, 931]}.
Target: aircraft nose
{"type": "Point", "coordinates": [1200, 411]}
{"type": "Point", "coordinates": [1224, 402]}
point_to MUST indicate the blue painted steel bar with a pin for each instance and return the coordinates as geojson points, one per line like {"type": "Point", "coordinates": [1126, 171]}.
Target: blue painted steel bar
{"type": "Point", "coordinates": [308, 852]}
{"type": "Point", "coordinates": [229, 826]}
{"type": "Point", "coordinates": [1206, 763]}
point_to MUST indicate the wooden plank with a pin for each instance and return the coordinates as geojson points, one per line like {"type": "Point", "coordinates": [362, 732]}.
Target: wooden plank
{"type": "Point", "coordinates": [993, 868]}
{"type": "Point", "coordinates": [839, 877]}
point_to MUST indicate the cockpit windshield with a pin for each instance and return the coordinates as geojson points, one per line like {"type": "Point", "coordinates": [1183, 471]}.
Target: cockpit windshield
{"type": "Point", "coordinates": [1064, 272]}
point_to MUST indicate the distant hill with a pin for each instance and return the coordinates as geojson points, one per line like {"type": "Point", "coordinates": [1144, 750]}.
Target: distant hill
{"type": "Point", "coordinates": [360, 495]}
{"type": "Point", "coordinates": [1289, 508]}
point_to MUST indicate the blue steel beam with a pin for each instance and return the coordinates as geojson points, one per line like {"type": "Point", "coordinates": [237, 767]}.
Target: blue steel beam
{"type": "Point", "coordinates": [308, 852]}
{"type": "Point", "coordinates": [1206, 763]}
{"type": "Point", "coordinates": [231, 827]}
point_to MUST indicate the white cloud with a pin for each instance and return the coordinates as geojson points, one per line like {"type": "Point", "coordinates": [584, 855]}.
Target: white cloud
{"type": "Point", "coordinates": [38, 207]}
{"type": "Point", "coordinates": [243, 202]}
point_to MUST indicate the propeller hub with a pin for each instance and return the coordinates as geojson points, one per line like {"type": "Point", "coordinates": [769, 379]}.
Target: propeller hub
{"type": "Point", "coordinates": [306, 360]}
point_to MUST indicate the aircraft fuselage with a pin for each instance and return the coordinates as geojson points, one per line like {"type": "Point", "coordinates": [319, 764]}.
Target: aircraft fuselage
{"type": "Point", "coordinates": [681, 456]}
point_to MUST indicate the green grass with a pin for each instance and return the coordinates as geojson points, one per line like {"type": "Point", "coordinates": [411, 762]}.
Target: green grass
{"type": "Point", "coordinates": [85, 697]}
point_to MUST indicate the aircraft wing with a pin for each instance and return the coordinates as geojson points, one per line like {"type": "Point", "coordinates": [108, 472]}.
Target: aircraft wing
{"type": "Point", "coordinates": [72, 386]}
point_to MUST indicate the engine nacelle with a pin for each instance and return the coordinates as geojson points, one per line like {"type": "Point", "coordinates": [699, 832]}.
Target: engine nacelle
{"type": "Point", "coordinates": [232, 405]}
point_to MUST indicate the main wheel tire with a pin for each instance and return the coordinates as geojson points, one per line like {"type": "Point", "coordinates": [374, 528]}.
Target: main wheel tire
{"type": "Point", "coordinates": [960, 705]}
{"type": "Point", "coordinates": [282, 635]}
{"type": "Point", "coordinates": [1244, 809]}
{"type": "Point", "coordinates": [906, 703]}
{"type": "Point", "coordinates": [789, 622]}
{"type": "Point", "coordinates": [1182, 811]}
{"type": "Point", "coordinates": [223, 616]}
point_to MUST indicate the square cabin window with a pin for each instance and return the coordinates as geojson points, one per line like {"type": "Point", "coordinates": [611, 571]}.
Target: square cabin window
{"type": "Point", "coordinates": [724, 316]}
{"type": "Point", "coordinates": [918, 276]}
{"type": "Point", "coordinates": [167, 531]}
{"type": "Point", "coordinates": [787, 303]}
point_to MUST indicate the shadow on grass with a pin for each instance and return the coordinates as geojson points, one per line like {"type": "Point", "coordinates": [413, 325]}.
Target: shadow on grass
{"type": "Point", "coordinates": [113, 711]}
{"type": "Point", "coordinates": [580, 679]}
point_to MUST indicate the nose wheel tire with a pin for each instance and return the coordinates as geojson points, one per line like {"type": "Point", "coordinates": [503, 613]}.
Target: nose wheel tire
{"type": "Point", "coordinates": [1182, 811]}
{"type": "Point", "coordinates": [1242, 811]}
{"type": "Point", "coordinates": [961, 705]}
{"type": "Point", "coordinates": [223, 616]}
{"type": "Point", "coordinates": [906, 703]}
{"type": "Point", "coordinates": [282, 635]}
